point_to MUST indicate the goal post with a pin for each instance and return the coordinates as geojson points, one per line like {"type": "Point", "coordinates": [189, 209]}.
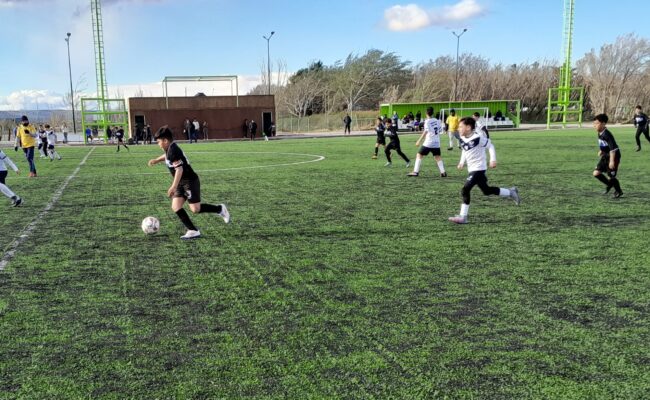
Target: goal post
{"type": "Point", "coordinates": [233, 79]}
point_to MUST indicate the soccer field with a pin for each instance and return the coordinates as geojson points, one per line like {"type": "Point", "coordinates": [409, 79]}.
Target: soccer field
{"type": "Point", "coordinates": [337, 278]}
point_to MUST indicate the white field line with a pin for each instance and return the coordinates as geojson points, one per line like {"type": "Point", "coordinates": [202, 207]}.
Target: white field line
{"type": "Point", "coordinates": [26, 233]}
{"type": "Point", "coordinates": [317, 158]}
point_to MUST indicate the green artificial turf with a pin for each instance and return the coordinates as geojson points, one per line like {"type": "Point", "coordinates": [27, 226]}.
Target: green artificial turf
{"type": "Point", "coordinates": [336, 279]}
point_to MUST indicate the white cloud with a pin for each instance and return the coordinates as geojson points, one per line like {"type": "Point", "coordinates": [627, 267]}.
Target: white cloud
{"type": "Point", "coordinates": [31, 100]}
{"type": "Point", "coordinates": [413, 17]}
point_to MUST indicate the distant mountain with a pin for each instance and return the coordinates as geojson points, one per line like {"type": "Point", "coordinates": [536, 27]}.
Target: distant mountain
{"type": "Point", "coordinates": [37, 116]}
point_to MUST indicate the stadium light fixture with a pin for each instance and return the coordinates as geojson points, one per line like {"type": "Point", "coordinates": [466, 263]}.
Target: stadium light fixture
{"type": "Point", "coordinates": [74, 120]}
{"type": "Point", "coordinates": [268, 59]}
{"type": "Point", "coordinates": [457, 59]}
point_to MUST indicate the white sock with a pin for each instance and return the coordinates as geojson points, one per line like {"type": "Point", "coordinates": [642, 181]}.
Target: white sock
{"type": "Point", "coordinates": [57, 155]}
{"type": "Point", "coordinates": [418, 162]}
{"type": "Point", "coordinates": [6, 191]}
{"type": "Point", "coordinates": [441, 166]}
{"type": "Point", "coordinates": [464, 210]}
{"type": "Point", "coordinates": [51, 154]}
{"type": "Point", "coordinates": [504, 192]}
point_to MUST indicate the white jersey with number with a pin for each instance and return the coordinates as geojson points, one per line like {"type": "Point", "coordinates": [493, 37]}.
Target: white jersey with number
{"type": "Point", "coordinates": [51, 137]}
{"type": "Point", "coordinates": [474, 148]}
{"type": "Point", "coordinates": [432, 129]}
{"type": "Point", "coordinates": [4, 161]}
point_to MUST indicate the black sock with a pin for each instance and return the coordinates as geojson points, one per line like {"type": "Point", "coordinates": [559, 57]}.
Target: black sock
{"type": "Point", "coordinates": [616, 184]}
{"type": "Point", "coordinates": [376, 150]}
{"type": "Point", "coordinates": [210, 208]}
{"type": "Point", "coordinates": [603, 179]}
{"type": "Point", "coordinates": [185, 219]}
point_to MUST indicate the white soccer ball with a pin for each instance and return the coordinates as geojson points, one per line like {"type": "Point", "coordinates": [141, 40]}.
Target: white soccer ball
{"type": "Point", "coordinates": [150, 225]}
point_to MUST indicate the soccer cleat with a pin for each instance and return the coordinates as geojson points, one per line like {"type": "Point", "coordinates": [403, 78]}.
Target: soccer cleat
{"type": "Point", "coordinates": [408, 164]}
{"type": "Point", "coordinates": [458, 219]}
{"type": "Point", "coordinates": [16, 201]}
{"type": "Point", "coordinates": [450, 148]}
{"type": "Point", "coordinates": [443, 175]}
{"type": "Point", "coordinates": [191, 235]}
{"type": "Point", "coordinates": [617, 194]}
{"type": "Point", "coordinates": [374, 157]}
{"type": "Point", "coordinates": [638, 148]}
{"type": "Point", "coordinates": [413, 174]}
{"type": "Point", "coordinates": [224, 213]}
{"type": "Point", "coordinates": [514, 195]}
{"type": "Point", "coordinates": [388, 164]}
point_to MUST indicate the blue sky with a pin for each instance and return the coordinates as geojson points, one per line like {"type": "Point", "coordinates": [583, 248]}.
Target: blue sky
{"type": "Point", "coordinates": [149, 39]}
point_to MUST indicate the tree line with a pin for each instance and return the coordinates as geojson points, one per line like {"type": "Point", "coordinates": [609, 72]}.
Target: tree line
{"type": "Point", "coordinates": [616, 78]}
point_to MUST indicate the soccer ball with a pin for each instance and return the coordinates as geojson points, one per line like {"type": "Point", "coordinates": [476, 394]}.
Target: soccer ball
{"type": "Point", "coordinates": [150, 225]}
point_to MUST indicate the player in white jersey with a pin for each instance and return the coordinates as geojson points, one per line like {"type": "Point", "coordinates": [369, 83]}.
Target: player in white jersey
{"type": "Point", "coordinates": [4, 189]}
{"type": "Point", "coordinates": [431, 137]}
{"type": "Point", "coordinates": [42, 141]}
{"type": "Point", "coordinates": [474, 145]}
{"type": "Point", "coordinates": [51, 141]}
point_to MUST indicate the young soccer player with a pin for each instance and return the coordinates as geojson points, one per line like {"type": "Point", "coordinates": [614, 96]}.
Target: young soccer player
{"type": "Point", "coordinates": [391, 132]}
{"type": "Point", "coordinates": [451, 124]}
{"type": "Point", "coordinates": [473, 145]}
{"type": "Point", "coordinates": [610, 156]}
{"type": "Point", "coordinates": [431, 136]}
{"type": "Point", "coordinates": [480, 127]}
{"type": "Point", "coordinates": [186, 185]}
{"type": "Point", "coordinates": [119, 136]}
{"type": "Point", "coordinates": [641, 125]}
{"type": "Point", "coordinates": [51, 141]}
{"type": "Point", "coordinates": [26, 138]}
{"type": "Point", "coordinates": [4, 161]}
{"type": "Point", "coordinates": [42, 141]}
{"type": "Point", "coordinates": [380, 129]}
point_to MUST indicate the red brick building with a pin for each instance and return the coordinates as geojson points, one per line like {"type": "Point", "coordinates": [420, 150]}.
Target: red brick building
{"type": "Point", "coordinates": [224, 114]}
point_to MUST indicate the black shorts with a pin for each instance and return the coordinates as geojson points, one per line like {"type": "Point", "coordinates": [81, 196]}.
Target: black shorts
{"type": "Point", "coordinates": [424, 150]}
{"type": "Point", "coordinates": [381, 140]}
{"type": "Point", "coordinates": [603, 164]}
{"type": "Point", "coordinates": [3, 175]}
{"type": "Point", "coordinates": [393, 145]}
{"type": "Point", "coordinates": [50, 147]}
{"type": "Point", "coordinates": [189, 190]}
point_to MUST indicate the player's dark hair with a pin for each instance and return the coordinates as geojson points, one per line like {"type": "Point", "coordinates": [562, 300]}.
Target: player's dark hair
{"type": "Point", "coordinates": [47, 126]}
{"type": "Point", "coordinates": [430, 111]}
{"type": "Point", "coordinates": [164, 133]}
{"type": "Point", "coordinates": [452, 111]}
{"type": "Point", "coordinates": [388, 121]}
{"type": "Point", "coordinates": [639, 108]}
{"type": "Point", "coordinates": [476, 114]}
{"type": "Point", "coordinates": [469, 121]}
{"type": "Point", "coordinates": [601, 118]}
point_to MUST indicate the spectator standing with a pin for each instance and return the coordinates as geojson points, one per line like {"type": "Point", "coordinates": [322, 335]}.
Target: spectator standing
{"type": "Point", "coordinates": [197, 129]}
{"type": "Point", "coordinates": [64, 132]}
{"type": "Point", "coordinates": [348, 122]}
{"type": "Point", "coordinates": [253, 129]}
{"type": "Point", "coordinates": [204, 129]}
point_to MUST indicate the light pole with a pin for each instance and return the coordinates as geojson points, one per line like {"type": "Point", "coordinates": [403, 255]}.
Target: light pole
{"type": "Point", "coordinates": [74, 120]}
{"type": "Point", "coordinates": [268, 58]}
{"type": "Point", "coordinates": [457, 50]}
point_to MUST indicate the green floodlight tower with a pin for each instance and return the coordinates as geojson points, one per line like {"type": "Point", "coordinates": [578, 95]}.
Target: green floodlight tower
{"type": "Point", "coordinates": [560, 103]}
{"type": "Point", "coordinates": [100, 112]}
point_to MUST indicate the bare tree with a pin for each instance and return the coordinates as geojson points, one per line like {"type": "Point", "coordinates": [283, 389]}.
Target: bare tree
{"type": "Point", "coordinates": [363, 78]}
{"type": "Point", "coordinates": [80, 87]}
{"type": "Point", "coordinates": [613, 75]}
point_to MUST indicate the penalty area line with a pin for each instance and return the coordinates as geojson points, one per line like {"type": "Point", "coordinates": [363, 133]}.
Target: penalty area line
{"type": "Point", "coordinates": [10, 252]}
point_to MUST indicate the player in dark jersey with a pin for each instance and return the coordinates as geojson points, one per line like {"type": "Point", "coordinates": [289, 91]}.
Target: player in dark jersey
{"type": "Point", "coordinates": [641, 125]}
{"type": "Point", "coordinates": [380, 129]}
{"type": "Point", "coordinates": [119, 136]}
{"type": "Point", "coordinates": [610, 156]}
{"type": "Point", "coordinates": [391, 132]}
{"type": "Point", "coordinates": [186, 185]}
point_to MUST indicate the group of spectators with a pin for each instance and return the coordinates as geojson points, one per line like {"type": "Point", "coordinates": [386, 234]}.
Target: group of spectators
{"type": "Point", "coordinates": [192, 129]}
